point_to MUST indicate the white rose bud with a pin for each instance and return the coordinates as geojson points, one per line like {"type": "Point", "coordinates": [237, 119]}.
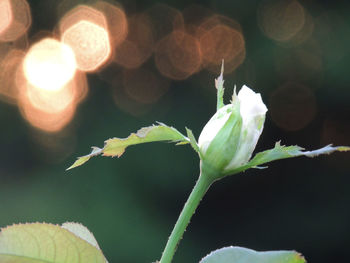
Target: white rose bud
{"type": "Point", "coordinates": [229, 138]}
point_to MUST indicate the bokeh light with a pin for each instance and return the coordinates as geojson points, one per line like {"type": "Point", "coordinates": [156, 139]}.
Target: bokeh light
{"type": "Point", "coordinates": [292, 106]}
{"type": "Point", "coordinates": [9, 66]}
{"type": "Point", "coordinates": [143, 85]}
{"type": "Point", "coordinates": [138, 46]}
{"type": "Point", "coordinates": [48, 110]}
{"type": "Point", "coordinates": [85, 30]}
{"type": "Point", "coordinates": [46, 121]}
{"type": "Point", "coordinates": [15, 19]}
{"type": "Point", "coordinates": [221, 38]}
{"type": "Point", "coordinates": [281, 20]}
{"type": "Point", "coordinates": [178, 55]}
{"type": "Point", "coordinates": [49, 64]}
{"type": "Point", "coordinates": [49, 86]}
{"type": "Point", "coordinates": [5, 15]}
{"type": "Point", "coordinates": [116, 21]}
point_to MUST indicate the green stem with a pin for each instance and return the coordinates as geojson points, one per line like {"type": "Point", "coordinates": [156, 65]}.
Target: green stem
{"type": "Point", "coordinates": [192, 203]}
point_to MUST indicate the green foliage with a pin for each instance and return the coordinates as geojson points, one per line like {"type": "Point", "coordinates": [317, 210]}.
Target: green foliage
{"type": "Point", "coordinates": [283, 152]}
{"type": "Point", "coordinates": [41, 242]}
{"type": "Point", "coordinates": [116, 146]}
{"type": "Point", "coordinates": [245, 255]}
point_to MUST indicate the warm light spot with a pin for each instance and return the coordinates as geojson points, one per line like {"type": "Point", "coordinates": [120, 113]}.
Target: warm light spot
{"type": "Point", "coordinates": [81, 88]}
{"type": "Point", "coordinates": [90, 44]}
{"type": "Point", "coordinates": [49, 64]}
{"type": "Point", "coordinates": [116, 20]}
{"type": "Point", "coordinates": [46, 121]}
{"type": "Point", "coordinates": [292, 106]}
{"type": "Point", "coordinates": [48, 100]}
{"type": "Point", "coordinates": [15, 19]}
{"type": "Point", "coordinates": [46, 109]}
{"type": "Point", "coordinates": [138, 46]}
{"type": "Point", "coordinates": [144, 86]}
{"type": "Point", "coordinates": [84, 29]}
{"type": "Point", "coordinates": [222, 42]}
{"type": "Point", "coordinates": [178, 55]}
{"type": "Point", "coordinates": [9, 66]}
{"type": "Point", "coordinates": [280, 19]}
{"type": "Point", "coordinates": [5, 15]}
{"type": "Point", "coordinates": [79, 13]}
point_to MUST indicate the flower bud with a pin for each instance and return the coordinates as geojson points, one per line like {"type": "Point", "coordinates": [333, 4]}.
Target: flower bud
{"type": "Point", "coordinates": [229, 138]}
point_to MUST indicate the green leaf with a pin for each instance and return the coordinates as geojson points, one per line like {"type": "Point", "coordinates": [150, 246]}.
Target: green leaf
{"type": "Point", "coordinates": [83, 159]}
{"type": "Point", "coordinates": [245, 255]}
{"type": "Point", "coordinates": [47, 243]}
{"type": "Point", "coordinates": [116, 146]}
{"type": "Point", "coordinates": [283, 152]}
{"type": "Point", "coordinates": [219, 84]}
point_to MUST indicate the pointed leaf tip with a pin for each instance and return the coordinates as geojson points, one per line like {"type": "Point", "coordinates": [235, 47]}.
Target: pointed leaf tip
{"type": "Point", "coordinates": [83, 159]}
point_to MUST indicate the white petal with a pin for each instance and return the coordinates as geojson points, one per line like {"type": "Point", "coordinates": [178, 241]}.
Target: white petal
{"type": "Point", "coordinates": [251, 104]}
{"type": "Point", "coordinates": [213, 126]}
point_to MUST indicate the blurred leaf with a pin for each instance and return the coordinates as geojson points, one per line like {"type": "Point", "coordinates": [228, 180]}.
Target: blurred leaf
{"type": "Point", "coordinates": [283, 152]}
{"type": "Point", "coordinates": [245, 255]}
{"type": "Point", "coordinates": [41, 242]}
{"type": "Point", "coordinates": [116, 146]}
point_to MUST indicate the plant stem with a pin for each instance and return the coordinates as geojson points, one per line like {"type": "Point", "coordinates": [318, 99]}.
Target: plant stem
{"type": "Point", "coordinates": [192, 203]}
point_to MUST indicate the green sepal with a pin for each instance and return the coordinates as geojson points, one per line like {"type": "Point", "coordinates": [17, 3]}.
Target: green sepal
{"type": "Point", "coordinates": [193, 141]}
{"type": "Point", "coordinates": [219, 84]}
{"type": "Point", "coordinates": [245, 255]}
{"type": "Point", "coordinates": [116, 146]}
{"type": "Point", "coordinates": [223, 147]}
{"type": "Point", "coordinates": [283, 152]}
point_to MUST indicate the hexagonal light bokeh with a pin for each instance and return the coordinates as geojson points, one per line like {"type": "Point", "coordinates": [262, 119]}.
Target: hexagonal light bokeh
{"type": "Point", "coordinates": [85, 30]}
{"type": "Point", "coordinates": [90, 43]}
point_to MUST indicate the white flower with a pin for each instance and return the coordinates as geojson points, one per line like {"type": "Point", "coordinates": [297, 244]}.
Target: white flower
{"type": "Point", "coordinates": [229, 138]}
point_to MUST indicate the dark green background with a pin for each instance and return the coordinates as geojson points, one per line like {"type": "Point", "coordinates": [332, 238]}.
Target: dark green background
{"type": "Point", "coordinates": [132, 203]}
